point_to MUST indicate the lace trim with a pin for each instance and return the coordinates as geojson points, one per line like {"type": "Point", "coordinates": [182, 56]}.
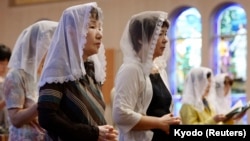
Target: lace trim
{"type": "Point", "coordinates": [148, 64]}
{"type": "Point", "coordinates": [60, 79]}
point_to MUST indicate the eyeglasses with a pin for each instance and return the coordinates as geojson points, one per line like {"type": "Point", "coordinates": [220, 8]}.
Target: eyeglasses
{"type": "Point", "coordinates": [228, 82]}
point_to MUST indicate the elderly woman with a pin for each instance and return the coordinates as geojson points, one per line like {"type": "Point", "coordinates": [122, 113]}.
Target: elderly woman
{"type": "Point", "coordinates": [71, 105]}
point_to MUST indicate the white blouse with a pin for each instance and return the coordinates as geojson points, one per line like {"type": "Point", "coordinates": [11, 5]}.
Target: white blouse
{"type": "Point", "coordinates": [133, 94]}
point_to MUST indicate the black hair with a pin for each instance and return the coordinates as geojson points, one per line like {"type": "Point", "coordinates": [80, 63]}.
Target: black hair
{"type": "Point", "coordinates": [148, 25]}
{"type": "Point", "coordinates": [95, 13]}
{"type": "Point", "coordinates": [5, 52]}
{"type": "Point", "coordinates": [228, 80]}
{"type": "Point", "coordinates": [208, 74]}
{"type": "Point", "coordinates": [166, 24]}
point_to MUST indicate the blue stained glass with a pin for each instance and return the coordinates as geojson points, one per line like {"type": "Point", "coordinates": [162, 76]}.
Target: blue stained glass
{"type": "Point", "coordinates": [231, 49]}
{"type": "Point", "coordinates": [188, 24]}
{"type": "Point", "coordinates": [187, 44]}
{"type": "Point", "coordinates": [230, 19]}
{"type": "Point", "coordinates": [232, 45]}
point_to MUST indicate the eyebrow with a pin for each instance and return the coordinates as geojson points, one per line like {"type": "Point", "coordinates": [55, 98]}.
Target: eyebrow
{"type": "Point", "coordinates": [163, 30]}
{"type": "Point", "coordinates": [93, 21]}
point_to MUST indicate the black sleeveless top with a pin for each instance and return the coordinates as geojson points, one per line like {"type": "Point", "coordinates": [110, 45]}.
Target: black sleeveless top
{"type": "Point", "coordinates": [160, 104]}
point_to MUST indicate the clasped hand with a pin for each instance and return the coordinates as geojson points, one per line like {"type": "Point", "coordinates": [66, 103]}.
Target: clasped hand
{"type": "Point", "coordinates": [168, 120]}
{"type": "Point", "coordinates": [107, 133]}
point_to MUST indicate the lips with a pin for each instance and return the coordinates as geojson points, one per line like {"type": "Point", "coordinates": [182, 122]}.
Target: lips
{"type": "Point", "coordinates": [98, 44]}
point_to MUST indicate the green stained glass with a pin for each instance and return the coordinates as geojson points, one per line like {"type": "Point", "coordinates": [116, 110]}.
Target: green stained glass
{"type": "Point", "coordinates": [232, 45]}
{"type": "Point", "coordinates": [187, 44]}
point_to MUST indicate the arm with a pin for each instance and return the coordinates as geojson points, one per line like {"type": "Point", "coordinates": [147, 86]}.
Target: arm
{"type": "Point", "coordinates": [127, 91]}
{"type": "Point", "coordinates": [19, 116]}
{"type": "Point", "coordinates": [20, 109]}
{"type": "Point", "coordinates": [126, 112]}
{"type": "Point", "coordinates": [150, 122]}
{"type": "Point", "coordinates": [56, 122]}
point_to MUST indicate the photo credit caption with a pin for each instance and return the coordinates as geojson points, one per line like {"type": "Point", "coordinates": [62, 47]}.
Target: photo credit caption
{"type": "Point", "coordinates": [209, 132]}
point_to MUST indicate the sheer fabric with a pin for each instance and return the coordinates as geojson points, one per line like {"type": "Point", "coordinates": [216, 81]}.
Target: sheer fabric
{"type": "Point", "coordinates": [223, 102]}
{"type": "Point", "coordinates": [31, 46]}
{"type": "Point", "coordinates": [145, 54]}
{"type": "Point", "coordinates": [194, 88]}
{"type": "Point", "coordinates": [133, 89]}
{"type": "Point", "coordinates": [160, 64]}
{"type": "Point", "coordinates": [64, 61]}
{"type": "Point", "coordinates": [20, 86]}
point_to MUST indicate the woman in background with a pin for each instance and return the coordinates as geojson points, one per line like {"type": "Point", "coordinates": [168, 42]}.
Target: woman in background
{"type": "Point", "coordinates": [20, 85]}
{"type": "Point", "coordinates": [5, 53]}
{"type": "Point", "coordinates": [223, 85]}
{"type": "Point", "coordinates": [223, 101]}
{"type": "Point", "coordinates": [198, 98]}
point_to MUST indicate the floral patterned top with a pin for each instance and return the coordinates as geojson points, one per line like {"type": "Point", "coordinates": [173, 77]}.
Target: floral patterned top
{"type": "Point", "coordinates": [3, 112]}
{"type": "Point", "coordinates": [20, 91]}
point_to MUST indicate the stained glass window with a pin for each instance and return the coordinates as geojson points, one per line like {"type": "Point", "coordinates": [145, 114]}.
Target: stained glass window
{"type": "Point", "coordinates": [231, 43]}
{"type": "Point", "coordinates": [187, 44]}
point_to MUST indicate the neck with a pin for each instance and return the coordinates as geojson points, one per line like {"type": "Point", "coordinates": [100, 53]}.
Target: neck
{"type": "Point", "coordinates": [84, 57]}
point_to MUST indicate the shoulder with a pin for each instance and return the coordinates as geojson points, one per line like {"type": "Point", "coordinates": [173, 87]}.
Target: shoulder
{"type": "Point", "coordinates": [130, 72]}
{"type": "Point", "coordinates": [131, 68]}
{"type": "Point", "coordinates": [186, 107]}
{"type": "Point", "coordinates": [16, 76]}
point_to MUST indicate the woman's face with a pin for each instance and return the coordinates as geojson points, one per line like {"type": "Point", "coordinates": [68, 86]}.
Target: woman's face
{"type": "Point", "coordinates": [227, 85]}
{"type": "Point", "coordinates": [93, 38]}
{"type": "Point", "coordinates": [3, 67]}
{"type": "Point", "coordinates": [207, 87]}
{"type": "Point", "coordinates": [161, 42]}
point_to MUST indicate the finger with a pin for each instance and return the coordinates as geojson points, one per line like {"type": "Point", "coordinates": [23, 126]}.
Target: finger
{"type": "Point", "coordinates": [115, 132]}
{"type": "Point", "coordinates": [171, 115]}
{"type": "Point", "coordinates": [111, 136]}
{"type": "Point", "coordinates": [110, 127]}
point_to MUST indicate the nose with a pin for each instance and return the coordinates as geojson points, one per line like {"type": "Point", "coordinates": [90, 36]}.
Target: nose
{"type": "Point", "coordinates": [99, 34]}
{"type": "Point", "coordinates": [165, 40]}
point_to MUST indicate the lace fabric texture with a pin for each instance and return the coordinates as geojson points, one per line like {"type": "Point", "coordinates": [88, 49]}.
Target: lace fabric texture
{"type": "Point", "coordinates": [222, 99]}
{"type": "Point", "coordinates": [194, 88]}
{"type": "Point", "coordinates": [64, 60]}
{"type": "Point", "coordinates": [145, 54]}
{"type": "Point", "coordinates": [31, 46]}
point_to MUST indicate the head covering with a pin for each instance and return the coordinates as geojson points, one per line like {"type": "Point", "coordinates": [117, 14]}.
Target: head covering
{"type": "Point", "coordinates": [31, 46]}
{"type": "Point", "coordinates": [140, 36]}
{"type": "Point", "coordinates": [64, 60]}
{"type": "Point", "coordinates": [160, 62]}
{"type": "Point", "coordinates": [195, 86]}
{"type": "Point", "coordinates": [223, 102]}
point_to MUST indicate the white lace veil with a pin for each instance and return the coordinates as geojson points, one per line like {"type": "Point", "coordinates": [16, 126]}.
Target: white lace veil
{"type": "Point", "coordinates": [223, 102]}
{"type": "Point", "coordinates": [31, 46]}
{"type": "Point", "coordinates": [64, 60]}
{"type": "Point", "coordinates": [194, 88]}
{"type": "Point", "coordinates": [136, 43]}
{"type": "Point", "coordinates": [160, 63]}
